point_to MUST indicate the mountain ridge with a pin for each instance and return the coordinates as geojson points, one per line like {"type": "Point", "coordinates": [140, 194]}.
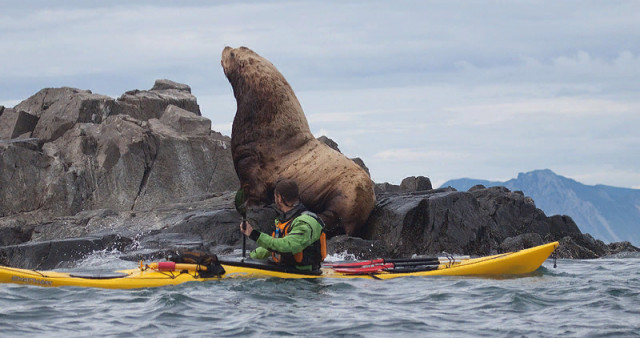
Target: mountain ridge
{"type": "Point", "coordinates": [608, 213]}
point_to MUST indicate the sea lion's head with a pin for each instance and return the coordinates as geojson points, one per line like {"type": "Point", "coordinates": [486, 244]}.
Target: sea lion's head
{"type": "Point", "coordinates": [251, 74]}
{"type": "Point", "coordinates": [261, 93]}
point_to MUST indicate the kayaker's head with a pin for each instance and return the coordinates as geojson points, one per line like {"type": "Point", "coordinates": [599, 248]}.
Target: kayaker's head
{"type": "Point", "coordinates": [286, 194]}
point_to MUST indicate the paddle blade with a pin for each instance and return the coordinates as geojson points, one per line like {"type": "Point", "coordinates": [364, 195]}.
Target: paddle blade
{"type": "Point", "coordinates": [364, 270]}
{"type": "Point", "coordinates": [241, 203]}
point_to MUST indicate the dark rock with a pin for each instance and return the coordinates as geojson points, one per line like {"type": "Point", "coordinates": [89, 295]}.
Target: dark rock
{"type": "Point", "coordinates": [409, 184]}
{"type": "Point", "coordinates": [515, 214]}
{"type": "Point", "coordinates": [444, 221]}
{"type": "Point", "coordinates": [477, 187]}
{"type": "Point", "coordinates": [94, 157]}
{"type": "Point", "coordinates": [358, 247]}
{"type": "Point", "coordinates": [27, 143]}
{"type": "Point", "coordinates": [414, 183]}
{"type": "Point", "coordinates": [331, 143]}
{"type": "Point", "coordinates": [383, 188]}
{"type": "Point", "coordinates": [520, 242]}
{"type": "Point", "coordinates": [59, 109]}
{"type": "Point", "coordinates": [208, 222]}
{"type": "Point", "coordinates": [185, 122]}
{"type": "Point", "coordinates": [12, 235]}
{"type": "Point", "coordinates": [621, 247]}
{"type": "Point", "coordinates": [582, 248]}
{"type": "Point", "coordinates": [30, 180]}
{"type": "Point", "coordinates": [480, 222]}
{"type": "Point", "coordinates": [423, 223]}
{"type": "Point", "coordinates": [49, 255]}
{"type": "Point", "coordinates": [149, 104]}
{"type": "Point", "coordinates": [360, 163]}
{"type": "Point", "coordinates": [14, 124]}
{"type": "Point", "coordinates": [165, 84]}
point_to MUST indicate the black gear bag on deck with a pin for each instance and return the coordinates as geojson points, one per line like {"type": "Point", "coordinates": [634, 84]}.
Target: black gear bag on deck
{"type": "Point", "coordinates": [210, 261]}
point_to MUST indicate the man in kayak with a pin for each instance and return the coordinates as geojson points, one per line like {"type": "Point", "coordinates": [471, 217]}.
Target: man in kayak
{"type": "Point", "coordinates": [298, 239]}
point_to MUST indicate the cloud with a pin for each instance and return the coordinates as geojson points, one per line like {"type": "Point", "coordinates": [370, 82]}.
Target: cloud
{"type": "Point", "coordinates": [485, 89]}
{"type": "Point", "coordinates": [411, 154]}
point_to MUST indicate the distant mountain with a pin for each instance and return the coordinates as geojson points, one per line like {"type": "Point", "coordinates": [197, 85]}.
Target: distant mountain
{"type": "Point", "coordinates": [607, 213]}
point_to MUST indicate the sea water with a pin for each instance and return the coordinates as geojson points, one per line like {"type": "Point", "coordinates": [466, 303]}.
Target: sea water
{"type": "Point", "coordinates": [598, 297]}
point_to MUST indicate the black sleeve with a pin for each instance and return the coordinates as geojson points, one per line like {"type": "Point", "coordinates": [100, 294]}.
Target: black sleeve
{"type": "Point", "coordinates": [255, 234]}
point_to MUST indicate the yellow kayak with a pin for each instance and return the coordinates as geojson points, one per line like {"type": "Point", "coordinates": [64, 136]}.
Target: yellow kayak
{"type": "Point", "coordinates": [168, 273]}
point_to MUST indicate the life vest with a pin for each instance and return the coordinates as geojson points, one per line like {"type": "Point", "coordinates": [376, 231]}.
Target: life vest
{"type": "Point", "coordinates": [312, 255]}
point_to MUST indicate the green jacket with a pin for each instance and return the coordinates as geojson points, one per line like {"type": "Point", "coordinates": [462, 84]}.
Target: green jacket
{"type": "Point", "coordinates": [305, 230]}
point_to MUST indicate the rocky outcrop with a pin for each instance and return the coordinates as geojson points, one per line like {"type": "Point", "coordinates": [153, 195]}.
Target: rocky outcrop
{"type": "Point", "coordinates": [16, 124]}
{"type": "Point", "coordinates": [411, 183]}
{"type": "Point", "coordinates": [149, 104]}
{"type": "Point", "coordinates": [87, 151]}
{"type": "Point", "coordinates": [206, 222]}
{"type": "Point", "coordinates": [402, 225]}
{"type": "Point", "coordinates": [482, 221]}
{"type": "Point", "coordinates": [608, 213]}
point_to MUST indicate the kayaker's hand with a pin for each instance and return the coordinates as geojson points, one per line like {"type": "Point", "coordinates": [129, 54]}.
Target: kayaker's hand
{"type": "Point", "coordinates": [247, 230]}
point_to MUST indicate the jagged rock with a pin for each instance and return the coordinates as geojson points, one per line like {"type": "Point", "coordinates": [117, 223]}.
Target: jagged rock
{"type": "Point", "coordinates": [521, 242]}
{"type": "Point", "coordinates": [358, 247]}
{"type": "Point", "coordinates": [93, 156]}
{"type": "Point", "coordinates": [481, 222]}
{"type": "Point", "coordinates": [516, 214]}
{"type": "Point", "coordinates": [27, 143]}
{"type": "Point", "coordinates": [30, 180]}
{"type": "Point", "coordinates": [16, 124]}
{"type": "Point", "coordinates": [574, 247]}
{"type": "Point", "coordinates": [477, 187]}
{"type": "Point", "coordinates": [408, 184]}
{"type": "Point", "coordinates": [621, 247]}
{"type": "Point", "coordinates": [331, 143]}
{"type": "Point", "coordinates": [165, 84]}
{"type": "Point", "coordinates": [384, 188]}
{"type": "Point", "coordinates": [59, 109]}
{"type": "Point", "coordinates": [185, 122]}
{"type": "Point", "coordinates": [12, 235]}
{"type": "Point", "coordinates": [360, 163]}
{"type": "Point", "coordinates": [414, 183]}
{"type": "Point", "coordinates": [206, 222]}
{"type": "Point", "coordinates": [49, 255]}
{"type": "Point", "coordinates": [149, 104]}
{"type": "Point", "coordinates": [429, 222]}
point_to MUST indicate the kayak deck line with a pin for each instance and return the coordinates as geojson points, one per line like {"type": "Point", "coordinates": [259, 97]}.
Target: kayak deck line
{"type": "Point", "coordinates": [149, 275]}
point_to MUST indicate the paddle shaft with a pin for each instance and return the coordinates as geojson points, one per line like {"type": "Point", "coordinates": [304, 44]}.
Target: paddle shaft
{"type": "Point", "coordinates": [240, 203]}
{"type": "Point", "coordinates": [244, 238]}
{"type": "Point", "coordinates": [394, 265]}
{"type": "Point", "coordinates": [398, 262]}
{"type": "Point", "coordinates": [389, 267]}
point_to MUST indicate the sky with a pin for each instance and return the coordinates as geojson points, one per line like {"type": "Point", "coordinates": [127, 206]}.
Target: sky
{"type": "Point", "coordinates": [442, 89]}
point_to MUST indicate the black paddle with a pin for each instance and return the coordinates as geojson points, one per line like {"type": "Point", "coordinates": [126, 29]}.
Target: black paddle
{"type": "Point", "coordinates": [241, 206]}
{"type": "Point", "coordinates": [396, 261]}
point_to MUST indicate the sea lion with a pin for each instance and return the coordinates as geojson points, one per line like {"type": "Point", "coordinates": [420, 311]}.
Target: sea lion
{"type": "Point", "coordinates": [271, 139]}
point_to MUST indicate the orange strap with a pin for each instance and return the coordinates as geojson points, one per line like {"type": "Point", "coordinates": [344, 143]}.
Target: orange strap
{"type": "Point", "coordinates": [284, 231]}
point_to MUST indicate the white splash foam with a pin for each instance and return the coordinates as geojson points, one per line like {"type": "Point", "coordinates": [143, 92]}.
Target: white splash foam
{"type": "Point", "coordinates": [107, 259]}
{"type": "Point", "coordinates": [340, 257]}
